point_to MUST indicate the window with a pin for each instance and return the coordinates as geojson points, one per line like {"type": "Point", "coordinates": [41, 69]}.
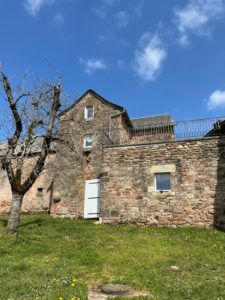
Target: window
{"type": "Point", "coordinates": [89, 112]}
{"type": "Point", "coordinates": [40, 192]}
{"type": "Point", "coordinates": [88, 141]}
{"type": "Point", "coordinates": [163, 182]}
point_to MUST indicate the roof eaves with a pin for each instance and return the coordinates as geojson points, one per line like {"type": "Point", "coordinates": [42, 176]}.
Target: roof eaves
{"type": "Point", "coordinates": [127, 117]}
{"type": "Point", "coordinates": [97, 96]}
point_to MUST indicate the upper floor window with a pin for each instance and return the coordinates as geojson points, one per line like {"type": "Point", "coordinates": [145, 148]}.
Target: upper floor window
{"type": "Point", "coordinates": [89, 112]}
{"type": "Point", "coordinates": [163, 182]}
{"type": "Point", "coordinates": [88, 141]}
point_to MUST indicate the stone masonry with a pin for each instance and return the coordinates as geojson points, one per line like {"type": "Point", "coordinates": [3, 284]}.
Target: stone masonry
{"type": "Point", "coordinates": [126, 170]}
{"type": "Point", "coordinates": [197, 198]}
{"type": "Point", "coordinates": [38, 198]}
{"type": "Point", "coordinates": [79, 164]}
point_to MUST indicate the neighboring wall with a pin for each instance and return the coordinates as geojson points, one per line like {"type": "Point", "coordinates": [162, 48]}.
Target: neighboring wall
{"type": "Point", "coordinates": [122, 134]}
{"type": "Point", "coordinates": [154, 134]}
{"type": "Point", "coordinates": [34, 200]}
{"type": "Point", "coordinates": [197, 198]}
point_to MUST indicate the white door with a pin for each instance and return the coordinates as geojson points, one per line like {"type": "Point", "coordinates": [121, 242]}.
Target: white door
{"type": "Point", "coordinates": [92, 199]}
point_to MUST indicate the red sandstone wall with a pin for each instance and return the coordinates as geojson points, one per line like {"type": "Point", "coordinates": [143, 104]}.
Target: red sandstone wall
{"type": "Point", "coordinates": [198, 184]}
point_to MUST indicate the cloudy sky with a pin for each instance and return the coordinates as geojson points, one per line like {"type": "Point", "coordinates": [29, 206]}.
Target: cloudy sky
{"type": "Point", "coordinates": [150, 56]}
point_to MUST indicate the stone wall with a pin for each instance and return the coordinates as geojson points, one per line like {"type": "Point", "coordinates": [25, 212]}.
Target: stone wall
{"type": "Point", "coordinates": [157, 133]}
{"type": "Point", "coordinates": [197, 170]}
{"type": "Point", "coordinates": [34, 200]}
{"type": "Point", "coordinates": [127, 172]}
{"type": "Point", "coordinates": [76, 164]}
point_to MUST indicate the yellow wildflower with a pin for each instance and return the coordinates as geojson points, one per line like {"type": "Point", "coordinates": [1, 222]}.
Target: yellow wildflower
{"type": "Point", "coordinates": [72, 284]}
{"type": "Point", "coordinates": [60, 298]}
{"type": "Point", "coordinates": [54, 279]}
{"type": "Point", "coordinates": [78, 298]}
{"type": "Point", "coordinates": [74, 280]}
{"type": "Point", "coordinates": [86, 282]}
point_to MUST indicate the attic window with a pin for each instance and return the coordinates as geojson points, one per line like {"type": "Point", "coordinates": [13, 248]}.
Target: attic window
{"type": "Point", "coordinates": [89, 112]}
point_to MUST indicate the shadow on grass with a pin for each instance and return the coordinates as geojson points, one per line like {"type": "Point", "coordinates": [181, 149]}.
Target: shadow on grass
{"type": "Point", "coordinates": [220, 229]}
{"type": "Point", "coordinates": [3, 222]}
{"type": "Point", "coordinates": [38, 222]}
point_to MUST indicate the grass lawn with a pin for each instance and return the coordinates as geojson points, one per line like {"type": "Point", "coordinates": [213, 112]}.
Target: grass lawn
{"type": "Point", "coordinates": [53, 258]}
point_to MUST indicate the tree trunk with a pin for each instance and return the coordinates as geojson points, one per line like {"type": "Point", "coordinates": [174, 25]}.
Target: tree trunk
{"type": "Point", "coordinates": [14, 217]}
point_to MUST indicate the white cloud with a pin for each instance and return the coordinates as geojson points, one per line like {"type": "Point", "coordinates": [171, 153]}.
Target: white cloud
{"type": "Point", "coordinates": [92, 64]}
{"type": "Point", "coordinates": [58, 19]}
{"type": "Point", "coordinates": [196, 18]}
{"type": "Point", "coordinates": [122, 19]}
{"type": "Point", "coordinates": [33, 6]}
{"type": "Point", "coordinates": [149, 56]}
{"type": "Point", "coordinates": [216, 100]}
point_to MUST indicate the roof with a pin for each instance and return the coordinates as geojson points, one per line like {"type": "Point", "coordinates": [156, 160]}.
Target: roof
{"type": "Point", "coordinates": [144, 122]}
{"type": "Point", "coordinates": [104, 101]}
{"type": "Point", "coordinates": [218, 128]}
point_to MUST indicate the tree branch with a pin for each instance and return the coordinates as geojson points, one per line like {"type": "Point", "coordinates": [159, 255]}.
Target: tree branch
{"type": "Point", "coordinates": [19, 127]}
{"type": "Point", "coordinates": [46, 140]}
{"type": "Point", "coordinates": [21, 96]}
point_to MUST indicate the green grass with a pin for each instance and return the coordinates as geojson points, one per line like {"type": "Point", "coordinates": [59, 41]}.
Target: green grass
{"type": "Point", "coordinates": [42, 261]}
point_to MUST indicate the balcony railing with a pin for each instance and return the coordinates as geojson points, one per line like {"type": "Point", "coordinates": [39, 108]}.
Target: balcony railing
{"type": "Point", "coordinates": [161, 132]}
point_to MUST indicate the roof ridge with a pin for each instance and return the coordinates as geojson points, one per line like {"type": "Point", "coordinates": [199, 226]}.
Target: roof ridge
{"type": "Point", "coordinates": [98, 96]}
{"type": "Point", "coordinates": [167, 114]}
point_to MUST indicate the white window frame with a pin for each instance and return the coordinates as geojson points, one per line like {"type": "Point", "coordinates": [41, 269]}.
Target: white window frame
{"type": "Point", "coordinates": [170, 190]}
{"type": "Point", "coordinates": [88, 135]}
{"type": "Point", "coordinates": [86, 112]}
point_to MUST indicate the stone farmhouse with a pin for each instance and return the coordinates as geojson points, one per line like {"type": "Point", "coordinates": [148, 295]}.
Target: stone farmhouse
{"type": "Point", "coordinates": [146, 171]}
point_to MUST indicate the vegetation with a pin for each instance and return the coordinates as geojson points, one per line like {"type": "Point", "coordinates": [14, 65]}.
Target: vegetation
{"type": "Point", "coordinates": [53, 258]}
{"type": "Point", "coordinates": [33, 119]}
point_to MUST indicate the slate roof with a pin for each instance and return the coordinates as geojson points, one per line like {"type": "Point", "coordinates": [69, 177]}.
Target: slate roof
{"type": "Point", "coordinates": [146, 122]}
{"type": "Point", "coordinates": [136, 123]}
{"type": "Point", "coordinates": [103, 100]}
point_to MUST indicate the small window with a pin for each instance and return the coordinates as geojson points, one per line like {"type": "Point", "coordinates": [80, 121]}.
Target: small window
{"type": "Point", "coordinates": [89, 112]}
{"type": "Point", "coordinates": [40, 192]}
{"type": "Point", "coordinates": [88, 141]}
{"type": "Point", "coordinates": [163, 182]}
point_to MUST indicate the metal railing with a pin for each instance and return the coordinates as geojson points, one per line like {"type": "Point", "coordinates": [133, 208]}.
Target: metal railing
{"type": "Point", "coordinates": [161, 132]}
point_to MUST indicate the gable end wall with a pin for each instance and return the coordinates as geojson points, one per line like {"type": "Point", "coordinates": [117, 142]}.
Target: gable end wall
{"type": "Point", "coordinates": [74, 167]}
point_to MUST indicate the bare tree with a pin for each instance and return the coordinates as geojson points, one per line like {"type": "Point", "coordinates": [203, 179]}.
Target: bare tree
{"type": "Point", "coordinates": [32, 122]}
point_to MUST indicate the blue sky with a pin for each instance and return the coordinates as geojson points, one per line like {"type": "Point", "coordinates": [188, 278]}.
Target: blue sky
{"type": "Point", "coordinates": [152, 57]}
